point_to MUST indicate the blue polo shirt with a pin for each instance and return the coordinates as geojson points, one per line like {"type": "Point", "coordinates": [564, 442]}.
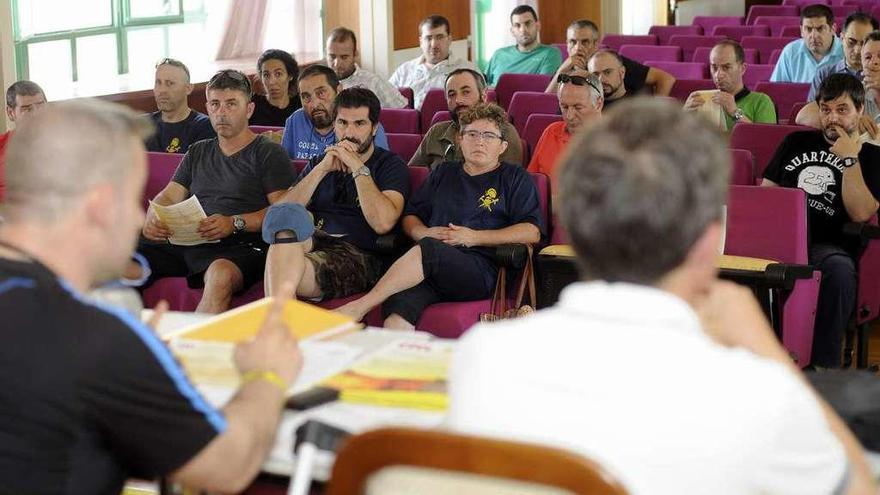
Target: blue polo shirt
{"type": "Point", "coordinates": [827, 70]}
{"type": "Point", "coordinates": [303, 142]}
{"type": "Point", "coordinates": [798, 65]}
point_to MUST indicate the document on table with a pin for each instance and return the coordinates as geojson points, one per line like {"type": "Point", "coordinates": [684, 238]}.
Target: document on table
{"type": "Point", "coordinates": [183, 219]}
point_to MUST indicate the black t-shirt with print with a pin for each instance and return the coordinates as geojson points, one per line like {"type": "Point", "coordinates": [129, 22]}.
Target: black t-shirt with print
{"type": "Point", "coordinates": [635, 77]}
{"type": "Point", "coordinates": [269, 115]}
{"type": "Point", "coordinates": [178, 136]}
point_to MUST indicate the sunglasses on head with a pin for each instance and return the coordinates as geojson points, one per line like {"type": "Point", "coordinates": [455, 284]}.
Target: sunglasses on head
{"type": "Point", "coordinates": [233, 74]}
{"type": "Point", "coordinates": [578, 81]}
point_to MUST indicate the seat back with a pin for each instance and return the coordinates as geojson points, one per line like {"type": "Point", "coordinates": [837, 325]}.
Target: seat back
{"type": "Point", "coordinates": [708, 22]}
{"type": "Point", "coordinates": [757, 73]}
{"type": "Point", "coordinates": [784, 95]}
{"type": "Point", "coordinates": [777, 23]}
{"type": "Point", "coordinates": [804, 3]}
{"type": "Point", "coordinates": [409, 95]}
{"type": "Point", "coordinates": [742, 172]}
{"type": "Point", "coordinates": [684, 87]}
{"type": "Point", "coordinates": [737, 32]}
{"type": "Point", "coordinates": [299, 165]}
{"type": "Point", "coordinates": [701, 54]}
{"type": "Point", "coordinates": [615, 41]}
{"type": "Point", "coordinates": [441, 116]}
{"type": "Point", "coordinates": [775, 56]}
{"type": "Point", "coordinates": [161, 170]}
{"type": "Point", "coordinates": [790, 32]}
{"type": "Point", "coordinates": [664, 32]}
{"type": "Point", "coordinates": [843, 11]}
{"type": "Point", "coordinates": [400, 120]}
{"type": "Point", "coordinates": [510, 83]}
{"type": "Point", "coordinates": [417, 177]}
{"type": "Point", "coordinates": [364, 455]}
{"type": "Point", "coordinates": [765, 45]}
{"type": "Point", "coordinates": [767, 222]}
{"type": "Point", "coordinates": [404, 145]}
{"type": "Point", "coordinates": [641, 53]}
{"type": "Point", "coordinates": [435, 101]}
{"type": "Point", "coordinates": [682, 70]}
{"type": "Point", "coordinates": [762, 140]}
{"type": "Point", "coordinates": [563, 49]}
{"type": "Point", "coordinates": [689, 43]}
{"type": "Point", "coordinates": [795, 110]}
{"type": "Point", "coordinates": [259, 129]}
{"type": "Point", "coordinates": [525, 103]}
{"type": "Point", "coordinates": [771, 10]}
{"type": "Point", "coordinates": [542, 183]}
{"type": "Point", "coordinates": [535, 125]}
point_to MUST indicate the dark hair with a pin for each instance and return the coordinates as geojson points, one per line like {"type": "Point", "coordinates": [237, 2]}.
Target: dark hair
{"type": "Point", "coordinates": [861, 18]}
{"type": "Point", "coordinates": [837, 85]}
{"type": "Point", "coordinates": [481, 80]}
{"type": "Point", "coordinates": [635, 197]}
{"type": "Point", "coordinates": [341, 35]}
{"type": "Point", "coordinates": [738, 51]}
{"type": "Point", "coordinates": [174, 63]}
{"type": "Point", "coordinates": [287, 59]}
{"type": "Point", "coordinates": [320, 70]}
{"type": "Point", "coordinates": [523, 9]}
{"type": "Point", "coordinates": [872, 36]}
{"type": "Point", "coordinates": [583, 24]}
{"type": "Point", "coordinates": [231, 79]}
{"type": "Point", "coordinates": [22, 88]}
{"type": "Point", "coordinates": [487, 111]}
{"type": "Point", "coordinates": [817, 10]}
{"type": "Point", "coordinates": [608, 52]}
{"type": "Point", "coordinates": [357, 97]}
{"type": "Point", "coordinates": [435, 21]}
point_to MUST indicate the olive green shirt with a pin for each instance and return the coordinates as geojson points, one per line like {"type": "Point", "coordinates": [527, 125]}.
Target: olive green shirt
{"type": "Point", "coordinates": [440, 144]}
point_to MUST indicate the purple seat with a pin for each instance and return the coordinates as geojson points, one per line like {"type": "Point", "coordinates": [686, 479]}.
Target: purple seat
{"type": "Point", "coordinates": [404, 145]}
{"type": "Point", "coordinates": [742, 172]}
{"type": "Point", "coordinates": [784, 95]}
{"type": "Point", "coordinates": [796, 109]}
{"type": "Point", "coordinates": [843, 11]}
{"type": "Point", "coordinates": [442, 116]}
{"type": "Point", "coordinates": [689, 43]}
{"type": "Point", "coordinates": [259, 129]}
{"type": "Point", "coordinates": [862, 5]}
{"type": "Point", "coordinates": [771, 223]}
{"type": "Point", "coordinates": [778, 23]}
{"type": "Point", "coordinates": [875, 11]}
{"type": "Point", "coordinates": [756, 73]}
{"type": "Point", "coordinates": [664, 32]}
{"type": "Point", "coordinates": [409, 95]}
{"type": "Point", "coordinates": [765, 45]}
{"type": "Point", "coordinates": [525, 103]}
{"type": "Point", "coordinates": [790, 32]}
{"type": "Point", "coordinates": [299, 165]}
{"type": "Point", "coordinates": [708, 22]}
{"type": "Point", "coordinates": [491, 95]}
{"type": "Point", "coordinates": [161, 169]}
{"type": "Point", "coordinates": [181, 298]}
{"type": "Point", "coordinates": [615, 41]}
{"type": "Point", "coordinates": [563, 49]}
{"type": "Point", "coordinates": [777, 10]}
{"type": "Point", "coordinates": [684, 87]}
{"type": "Point", "coordinates": [435, 101]}
{"type": "Point", "coordinates": [868, 296]}
{"type": "Point", "coordinates": [641, 53]}
{"type": "Point", "coordinates": [737, 32]}
{"type": "Point", "coordinates": [762, 140]}
{"type": "Point", "coordinates": [682, 70]}
{"type": "Point", "coordinates": [701, 54]}
{"type": "Point", "coordinates": [775, 56]}
{"type": "Point", "coordinates": [400, 120]}
{"type": "Point", "coordinates": [535, 125]}
{"type": "Point", "coordinates": [804, 3]}
{"type": "Point", "coordinates": [509, 83]}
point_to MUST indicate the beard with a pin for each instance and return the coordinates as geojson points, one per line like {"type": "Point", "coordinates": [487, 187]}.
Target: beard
{"type": "Point", "coordinates": [321, 118]}
{"type": "Point", "coordinates": [362, 147]}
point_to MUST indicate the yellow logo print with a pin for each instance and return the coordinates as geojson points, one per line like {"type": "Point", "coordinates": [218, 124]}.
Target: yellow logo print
{"type": "Point", "coordinates": [488, 199]}
{"type": "Point", "coordinates": [173, 146]}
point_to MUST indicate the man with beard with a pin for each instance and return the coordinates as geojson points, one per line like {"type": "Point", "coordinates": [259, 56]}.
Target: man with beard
{"type": "Point", "coordinates": [342, 56]}
{"type": "Point", "coordinates": [817, 47]}
{"type": "Point", "coordinates": [842, 180]}
{"type": "Point", "coordinates": [528, 56]}
{"type": "Point", "coordinates": [464, 89]}
{"type": "Point", "coordinates": [324, 230]}
{"type": "Point", "coordinates": [309, 131]}
{"type": "Point", "coordinates": [608, 68]}
{"type": "Point", "coordinates": [177, 125]}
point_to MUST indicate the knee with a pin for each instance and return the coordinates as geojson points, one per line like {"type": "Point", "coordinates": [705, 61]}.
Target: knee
{"type": "Point", "coordinates": [287, 223]}
{"type": "Point", "coordinates": [223, 275]}
{"type": "Point", "coordinates": [840, 271]}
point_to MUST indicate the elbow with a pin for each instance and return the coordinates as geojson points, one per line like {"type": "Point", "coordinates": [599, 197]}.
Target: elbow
{"type": "Point", "coordinates": [385, 226]}
{"type": "Point", "coordinates": [534, 235]}
{"type": "Point", "coordinates": [862, 216]}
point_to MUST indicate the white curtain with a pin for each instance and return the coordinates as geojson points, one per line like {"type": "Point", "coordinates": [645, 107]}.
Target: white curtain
{"type": "Point", "coordinates": [245, 26]}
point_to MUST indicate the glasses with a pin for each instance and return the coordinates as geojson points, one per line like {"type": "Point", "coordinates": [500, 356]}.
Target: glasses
{"type": "Point", "coordinates": [579, 81]}
{"type": "Point", "coordinates": [485, 135]}
{"type": "Point", "coordinates": [232, 74]}
{"type": "Point", "coordinates": [174, 63]}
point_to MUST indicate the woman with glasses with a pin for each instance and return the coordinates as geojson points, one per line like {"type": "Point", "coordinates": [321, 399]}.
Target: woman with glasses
{"type": "Point", "coordinates": [462, 210]}
{"type": "Point", "coordinates": [278, 71]}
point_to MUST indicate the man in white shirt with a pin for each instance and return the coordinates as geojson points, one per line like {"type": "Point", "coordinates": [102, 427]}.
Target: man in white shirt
{"type": "Point", "coordinates": [342, 56]}
{"type": "Point", "coordinates": [653, 367]}
{"type": "Point", "coordinates": [430, 69]}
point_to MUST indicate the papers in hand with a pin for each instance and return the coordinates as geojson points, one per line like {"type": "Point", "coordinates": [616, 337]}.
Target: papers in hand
{"type": "Point", "coordinates": [183, 220]}
{"type": "Point", "coordinates": [710, 110]}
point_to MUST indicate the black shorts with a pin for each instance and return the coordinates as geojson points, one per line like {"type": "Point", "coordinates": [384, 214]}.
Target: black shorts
{"type": "Point", "coordinates": [451, 274]}
{"type": "Point", "coordinates": [247, 252]}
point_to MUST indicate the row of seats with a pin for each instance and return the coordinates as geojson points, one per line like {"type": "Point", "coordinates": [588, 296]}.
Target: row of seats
{"type": "Point", "coordinates": [763, 46]}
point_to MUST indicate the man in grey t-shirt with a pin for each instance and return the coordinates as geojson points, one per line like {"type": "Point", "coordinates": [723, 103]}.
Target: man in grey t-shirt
{"type": "Point", "coordinates": [235, 178]}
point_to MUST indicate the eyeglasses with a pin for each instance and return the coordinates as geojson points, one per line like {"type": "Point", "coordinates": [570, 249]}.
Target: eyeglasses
{"type": "Point", "coordinates": [579, 81]}
{"type": "Point", "coordinates": [232, 74]}
{"type": "Point", "coordinates": [485, 135]}
{"type": "Point", "coordinates": [174, 63]}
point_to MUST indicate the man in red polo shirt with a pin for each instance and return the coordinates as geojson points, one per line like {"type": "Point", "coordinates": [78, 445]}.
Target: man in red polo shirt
{"type": "Point", "coordinates": [22, 99]}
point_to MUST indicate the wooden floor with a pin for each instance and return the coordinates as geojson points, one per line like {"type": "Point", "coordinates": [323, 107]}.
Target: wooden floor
{"type": "Point", "coordinates": [874, 345]}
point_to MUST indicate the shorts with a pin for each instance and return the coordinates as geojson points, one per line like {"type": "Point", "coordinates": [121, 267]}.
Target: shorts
{"type": "Point", "coordinates": [451, 274]}
{"type": "Point", "coordinates": [341, 268]}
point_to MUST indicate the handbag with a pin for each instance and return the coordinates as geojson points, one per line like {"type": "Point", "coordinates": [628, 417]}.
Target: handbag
{"type": "Point", "coordinates": [499, 310]}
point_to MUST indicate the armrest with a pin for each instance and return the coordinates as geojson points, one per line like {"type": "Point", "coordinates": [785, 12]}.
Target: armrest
{"type": "Point", "coordinates": [864, 231]}
{"type": "Point", "coordinates": [393, 243]}
{"type": "Point", "coordinates": [511, 255]}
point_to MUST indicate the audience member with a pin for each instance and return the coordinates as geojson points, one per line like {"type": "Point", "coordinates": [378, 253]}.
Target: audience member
{"type": "Point", "coordinates": [309, 131]}
{"type": "Point", "coordinates": [841, 178]}
{"type": "Point", "coordinates": [235, 177]}
{"type": "Point", "coordinates": [278, 72]}
{"type": "Point", "coordinates": [871, 82]}
{"type": "Point", "coordinates": [342, 56]}
{"type": "Point", "coordinates": [462, 209]}
{"type": "Point", "coordinates": [429, 70]}
{"type": "Point", "coordinates": [465, 88]}
{"type": "Point", "coordinates": [23, 100]}
{"type": "Point", "coordinates": [817, 47]}
{"type": "Point", "coordinates": [580, 101]}
{"type": "Point", "coordinates": [608, 68]}
{"type": "Point", "coordinates": [583, 38]}
{"type": "Point", "coordinates": [715, 404]}
{"type": "Point", "coordinates": [735, 102]}
{"type": "Point", "coordinates": [354, 192]}
{"type": "Point", "coordinates": [92, 396]}
{"type": "Point", "coordinates": [177, 125]}
{"type": "Point", "coordinates": [528, 55]}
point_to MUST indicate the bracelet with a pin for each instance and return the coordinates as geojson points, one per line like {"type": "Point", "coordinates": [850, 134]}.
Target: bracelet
{"type": "Point", "coordinates": [269, 376]}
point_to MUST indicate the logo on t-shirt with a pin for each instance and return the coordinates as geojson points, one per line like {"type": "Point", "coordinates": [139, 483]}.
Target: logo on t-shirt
{"type": "Point", "coordinates": [488, 199]}
{"type": "Point", "coordinates": [815, 180]}
{"type": "Point", "coordinates": [173, 146]}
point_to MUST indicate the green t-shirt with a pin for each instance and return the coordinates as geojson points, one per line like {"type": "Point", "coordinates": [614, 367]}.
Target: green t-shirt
{"type": "Point", "coordinates": [758, 107]}
{"type": "Point", "coordinates": [544, 59]}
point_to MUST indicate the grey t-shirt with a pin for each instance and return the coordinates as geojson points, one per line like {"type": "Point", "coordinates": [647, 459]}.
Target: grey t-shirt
{"type": "Point", "coordinates": [232, 185]}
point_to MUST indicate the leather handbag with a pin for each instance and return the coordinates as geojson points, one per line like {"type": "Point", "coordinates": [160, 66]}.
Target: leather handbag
{"type": "Point", "coordinates": [499, 310]}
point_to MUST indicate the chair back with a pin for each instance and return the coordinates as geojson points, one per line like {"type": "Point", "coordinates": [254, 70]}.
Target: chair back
{"type": "Point", "coordinates": [795, 110]}
{"type": "Point", "coordinates": [299, 165]}
{"type": "Point", "coordinates": [404, 145]}
{"type": "Point", "coordinates": [542, 184]}
{"type": "Point", "coordinates": [435, 101]}
{"type": "Point", "coordinates": [708, 22]}
{"type": "Point", "coordinates": [563, 49]}
{"type": "Point", "coordinates": [689, 43]}
{"type": "Point", "coordinates": [684, 87]}
{"type": "Point", "coordinates": [417, 177]}
{"type": "Point", "coordinates": [701, 54]}
{"type": "Point", "coordinates": [525, 103]}
{"type": "Point", "coordinates": [641, 53]}
{"type": "Point", "coordinates": [778, 23]}
{"type": "Point", "coordinates": [843, 11]}
{"type": "Point", "coordinates": [409, 95]}
{"type": "Point", "coordinates": [509, 83]}
{"type": "Point", "coordinates": [784, 95]}
{"type": "Point", "coordinates": [771, 10]}
{"type": "Point", "coordinates": [535, 125]}
{"type": "Point", "coordinates": [737, 32]}
{"type": "Point", "coordinates": [259, 129]}
{"type": "Point", "coordinates": [804, 3]}
{"type": "Point", "coordinates": [767, 222]}
{"type": "Point", "coordinates": [400, 120]}
{"type": "Point", "coordinates": [664, 32]}
{"type": "Point", "coordinates": [742, 172]}
{"type": "Point", "coordinates": [615, 41]}
{"type": "Point", "coordinates": [441, 116]}
{"type": "Point", "coordinates": [161, 169]}
{"type": "Point", "coordinates": [765, 45]}
{"type": "Point", "coordinates": [757, 73]}
{"type": "Point", "coordinates": [790, 32]}
{"type": "Point", "coordinates": [682, 70]}
{"type": "Point", "coordinates": [762, 140]}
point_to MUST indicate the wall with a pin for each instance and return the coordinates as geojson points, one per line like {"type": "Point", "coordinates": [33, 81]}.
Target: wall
{"type": "Point", "coordinates": [554, 20]}
{"type": "Point", "coordinates": [686, 11]}
{"type": "Point", "coordinates": [7, 56]}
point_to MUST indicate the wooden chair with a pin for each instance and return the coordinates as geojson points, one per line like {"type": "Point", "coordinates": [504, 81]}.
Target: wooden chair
{"type": "Point", "coordinates": [536, 466]}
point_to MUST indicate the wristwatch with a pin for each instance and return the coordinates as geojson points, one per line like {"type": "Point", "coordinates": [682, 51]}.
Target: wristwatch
{"type": "Point", "coordinates": [738, 114]}
{"type": "Point", "coordinates": [361, 171]}
{"type": "Point", "coordinates": [849, 161]}
{"type": "Point", "coordinates": [238, 224]}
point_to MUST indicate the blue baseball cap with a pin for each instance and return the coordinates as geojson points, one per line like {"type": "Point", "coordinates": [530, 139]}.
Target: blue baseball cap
{"type": "Point", "coordinates": [291, 217]}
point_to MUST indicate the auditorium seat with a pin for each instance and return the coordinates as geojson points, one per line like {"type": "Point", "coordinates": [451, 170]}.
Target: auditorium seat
{"type": "Point", "coordinates": [843, 11]}
{"type": "Point", "coordinates": [689, 43]}
{"type": "Point", "coordinates": [681, 70]}
{"type": "Point", "coordinates": [408, 94]}
{"type": "Point", "coordinates": [795, 110]}
{"type": "Point", "coordinates": [708, 22]}
{"type": "Point", "coordinates": [525, 103]}
{"type": "Point", "coordinates": [684, 87]}
{"type": "Point", "coordinates": [777, 23]}
{"type": "Point", "coordinates": [664, 32]}
{"type": "Point", "coordinates": [737, 32]}
{"type": "Point", "coordinates": [161, 167]}
{"type": "Point", "coordinates": [767, 10]}
{"type": "Point", "coordinates": [804, 3]}
{"type": "Point", "coordinates": [404, 145]}
{"type": "Point", "coordinates": [535, 125]}
{"type": "Point", "coordinates": [765, 45]}
{"type": "Point", "coordinates": [435, 101]}
{"type": "Point", "coordinates": [701, 54]}
{"type": "Point", "coordinates": [784, 95]}
{"type": "Point", "coordinates": [509, 83]}
{"type": "Point", "coordinates": [742, 171]}
{"type": "Point", "coordinates": [563, 49]}
{"type": "Point", "coordinates": [643, 53]}
{"type": "Point", "coordinates": [259, 129]}
{"type": "Point", "coordinates": [756, 73]}
{"type": "Point", "coordinates": [790, 32]}
{"type": "Point", "coordinates": [775, 56]}
{"type": "Point", "coordinates": [400, 120]}
{"type": "Point", "coordinates": [615, 41]}
{"type": "Point", "coordinates": [441, 116]}
{"type": "Point", "coordinates": [762, 140]}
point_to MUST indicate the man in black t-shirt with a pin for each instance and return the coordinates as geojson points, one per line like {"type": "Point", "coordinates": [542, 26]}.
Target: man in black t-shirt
{"type": "Point", "coordinates": [90, 395]}
{"type": "Point", "coordinates": [324, 230]}
{"type": "Point", "coordinates": [177, 125]}
{"type": "Point", "coordinates": [842, 180]}
{"type": "Point", "coordinates": [235, 178]}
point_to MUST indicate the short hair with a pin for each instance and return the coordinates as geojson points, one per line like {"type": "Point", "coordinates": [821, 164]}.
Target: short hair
{"type": "Point", "coordinates": [22, 88]}
{"type": "Point", "coordinates": [817, 10]}
{"type": "Point", "coordinates": [837, 85]}
{"type": "Point", "coordinates": [86, 141]}
{"type": "Point", "coordinates": [635, 197]}
{"type": "Point", "coordinates": [435, 21]}
{"type": "Point", "coordinates": [738, 51]}
{"type": "Point", "coordinates": [583, 24]}
{"type": "Point", "coordinates": [872, 36]}
{"type": "Point", "coordinates": [484, 111]}
{"type": "Point", "coordinates": [480, 78]}
{"type": "Point", "coordinates": [593, 87]}
{"type": "Point", "coordinates": [173, 62]}
{"type": "Point", "coordinates": [320, 70]}
{"type": "Point", "coordinates": [608, 51]}
{"type": "Point", "coordinates": [286, 58]}
{"type": "Point", "coordinates": [861, 18]}
{"type": "Point", "coordinates": [523, 9]}
{"type": "Point", "coordinates": [342, 34]}
{"type": "Point", "coordinates": [231, 79]}
{"type": "Point", "coordinates": [357, 97]}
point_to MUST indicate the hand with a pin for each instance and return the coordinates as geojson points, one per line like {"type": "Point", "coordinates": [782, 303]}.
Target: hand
{"type": "Point", "coordinates": [154, 228]}
{"type": "Point", "coordinates": [158, 312]}
{"type": "Point", "coordinates": [461, 236]}
{"type": "Point", "coordinates": [871, 80]}
{"type": "Point", "coordinates": [331, 162]}
{"type": "Point", "coordinates": [273, 348]}
{"type": "Point", "coordinates": [725, 100]}
{"type": "Point", "coordinates": [731, 315]}
{"type": "Point", "coordinates": [868, 126]}
{"type": "Point", "coordinates": [847, 145]}
{"type": "Point", "coordinates": [348, 155]}
{"type": "Point", "coordinates": [439, 233]}
{"type": "Point", "coordinates": [694, 102]}
{"type": "Point", "coordinates": [215, 227]}
{"type": "Point", "coordinates": [574, 61]}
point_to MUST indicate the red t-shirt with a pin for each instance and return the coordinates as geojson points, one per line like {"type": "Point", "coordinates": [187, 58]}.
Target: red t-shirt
{"type": "Point", "coordinates": [4, 139]}
{"type": "Point", "coordinates": [549, 149]}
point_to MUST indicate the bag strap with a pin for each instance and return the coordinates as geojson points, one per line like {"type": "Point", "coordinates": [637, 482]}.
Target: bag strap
{"type": "Point", "coordinates": [500, 297]}
{"type": "Point", "coordinates": [526, 279]}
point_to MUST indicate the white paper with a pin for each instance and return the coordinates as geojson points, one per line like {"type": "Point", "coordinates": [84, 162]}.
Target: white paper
{"type": "Point", "coordinates": [709, 110]}
{"type": "Point", "coordinates": [183, 220]}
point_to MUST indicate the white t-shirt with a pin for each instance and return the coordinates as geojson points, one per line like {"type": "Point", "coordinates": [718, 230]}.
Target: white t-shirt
{"type": "Point", "coordinates": [416, 75]}
{"type": "Point", "coordinates": [623, 374]}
